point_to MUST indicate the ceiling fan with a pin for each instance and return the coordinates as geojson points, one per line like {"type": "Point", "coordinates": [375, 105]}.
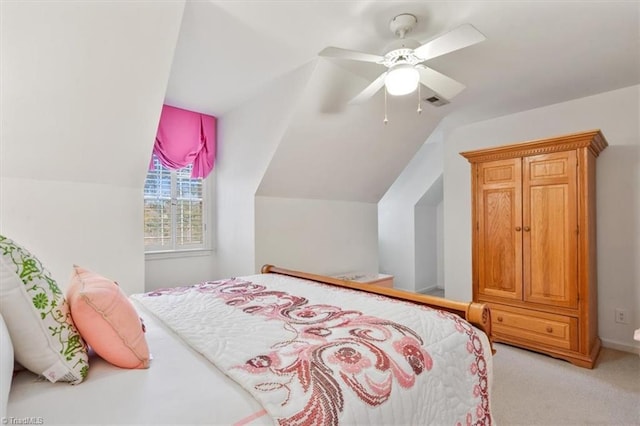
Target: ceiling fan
{"type": "Point", "coordinates": [405, 58]}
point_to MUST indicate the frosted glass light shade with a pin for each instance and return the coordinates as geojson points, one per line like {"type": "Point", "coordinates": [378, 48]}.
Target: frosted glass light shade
{"type": "Point", "coordinates": [402, 80]}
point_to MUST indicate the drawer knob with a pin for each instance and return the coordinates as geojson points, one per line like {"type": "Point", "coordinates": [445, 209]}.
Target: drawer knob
{"type": "Point", "coordinates": [499, 319]}
{"type": "Point", "coordinates": [549, 330]}
{"type": "Point", "coordinates": [518, 228]}
{"type": "Point", "coordinates": [527, 229]}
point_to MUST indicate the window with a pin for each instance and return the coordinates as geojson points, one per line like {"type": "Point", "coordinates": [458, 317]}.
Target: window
{"type": "Point", "coordinates": [174, 210]}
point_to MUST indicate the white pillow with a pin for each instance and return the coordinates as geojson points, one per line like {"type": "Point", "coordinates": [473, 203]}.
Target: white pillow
{"type": "Point", "coordinates": [6, 367]}
{"type": "Point", "coordinates": [36, 313]}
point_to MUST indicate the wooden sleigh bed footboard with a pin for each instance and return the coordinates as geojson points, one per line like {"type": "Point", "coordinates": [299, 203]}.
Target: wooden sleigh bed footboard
{"type": "Point", "coordinates": [477, 314]}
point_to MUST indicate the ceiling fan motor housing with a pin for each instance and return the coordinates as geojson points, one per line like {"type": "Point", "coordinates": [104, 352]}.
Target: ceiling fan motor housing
{"type": "Point", "coordinates": [401, 50]}
{"type": "Point", "coordinates": [401, 55]}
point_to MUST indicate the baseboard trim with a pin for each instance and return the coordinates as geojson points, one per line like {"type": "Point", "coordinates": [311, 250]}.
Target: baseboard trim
{"type": "Point", "coordinates": [611, 344]}
{"type": "Point", "coordinates": [427, 290]}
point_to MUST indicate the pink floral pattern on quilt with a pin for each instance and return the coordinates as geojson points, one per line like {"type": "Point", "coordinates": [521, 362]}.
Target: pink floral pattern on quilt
{"type": "Point", "coordinates": [329, 350]}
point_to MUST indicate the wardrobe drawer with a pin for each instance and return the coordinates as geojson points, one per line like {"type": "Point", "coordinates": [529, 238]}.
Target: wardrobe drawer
{"type": "Point", "coordinates": [550, 329]}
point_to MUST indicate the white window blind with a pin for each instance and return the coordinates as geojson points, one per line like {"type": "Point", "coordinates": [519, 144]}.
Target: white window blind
{"type": "Point", "coordinates": [174, 210]}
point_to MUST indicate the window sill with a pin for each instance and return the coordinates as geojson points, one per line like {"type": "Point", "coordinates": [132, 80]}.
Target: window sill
{"type": "Point", "coordinates": [176, 254]}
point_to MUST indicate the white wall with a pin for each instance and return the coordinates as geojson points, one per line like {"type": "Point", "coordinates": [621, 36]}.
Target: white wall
{"type": "Point", "coordinates": [82, 88]}
{"type": "Point", "coordinates": [249, 135]}
{"type": "Point", "coordinates": [428, 226]}
{"type": "Point", "coordinates": [440, 243]}
{"type": "Point", "coordinates": [426, 265]}
{"type": "Point", "coordinates": [396, 213]}
{"type": "Point", "coordinates": [320, 236]}
{"type": "Point", "coordinates": [618, 196]}
{"type": "Point", "coordinates": [163, 272]}
{"type": "Point", "coordinates": [65, 223]}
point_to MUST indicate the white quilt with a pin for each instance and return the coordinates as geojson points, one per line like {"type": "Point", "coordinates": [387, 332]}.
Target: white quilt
{"type": "Point", "coordinates": [321, 355]}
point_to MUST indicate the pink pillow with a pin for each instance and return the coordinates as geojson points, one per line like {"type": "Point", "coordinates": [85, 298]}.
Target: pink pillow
{"type": "Point", "coordinates": [107, 320]}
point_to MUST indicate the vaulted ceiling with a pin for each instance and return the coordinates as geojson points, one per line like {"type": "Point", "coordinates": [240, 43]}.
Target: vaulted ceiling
{"type": "Point", "coordinates": [536, 53]}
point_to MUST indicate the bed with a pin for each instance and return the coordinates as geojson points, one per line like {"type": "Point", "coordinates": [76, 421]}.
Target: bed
{"type": "Point", "coordinates": [284, 347]}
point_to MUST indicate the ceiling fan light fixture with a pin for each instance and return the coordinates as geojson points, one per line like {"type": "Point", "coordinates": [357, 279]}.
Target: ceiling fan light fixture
{"type": "Point", "coordinates": [402, 80]}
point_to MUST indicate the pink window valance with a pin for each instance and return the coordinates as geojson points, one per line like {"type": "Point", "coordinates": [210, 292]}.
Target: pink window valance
{"type": "Point", "coordinates": [186, 137]}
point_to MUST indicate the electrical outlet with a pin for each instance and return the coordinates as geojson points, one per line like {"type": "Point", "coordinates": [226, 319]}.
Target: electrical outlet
{"type": "Point", "coordinates": [622, 316]}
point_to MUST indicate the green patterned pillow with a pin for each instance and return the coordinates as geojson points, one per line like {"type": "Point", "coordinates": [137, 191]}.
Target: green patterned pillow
{"type": "Point", "coordinates": [37, 316]}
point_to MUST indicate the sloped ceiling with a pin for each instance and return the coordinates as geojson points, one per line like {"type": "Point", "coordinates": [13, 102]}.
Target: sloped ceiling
{"type": "Point", "coordinates": [349, 155]}
{"type": "Point", "coordinates": [78, 95]}
{"type": "Point", "coordinates": [536, 53]}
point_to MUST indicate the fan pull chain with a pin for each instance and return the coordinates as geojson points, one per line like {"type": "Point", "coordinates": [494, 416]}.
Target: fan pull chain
{"type": "Point", "coordinates": [385, 121]}
{"type": "Point", "coordinates": [419, 106]}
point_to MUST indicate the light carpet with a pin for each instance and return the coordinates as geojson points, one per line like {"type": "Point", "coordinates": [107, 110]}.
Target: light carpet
{"type": "Point", "coordinates": [535, 389]}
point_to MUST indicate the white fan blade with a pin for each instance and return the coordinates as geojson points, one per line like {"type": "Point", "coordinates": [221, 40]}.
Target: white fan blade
{"type": "Point", "coordinates": [444, 86]}
{"type": "Point", "coordinates": [370, 90]}
{"type": "Point", "coordinates": [463, 36]}
{"type": "Point", "coordinates": [336, 52]}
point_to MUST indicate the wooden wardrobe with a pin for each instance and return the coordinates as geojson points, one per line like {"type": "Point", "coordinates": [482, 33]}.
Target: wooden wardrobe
{"type": "Point", "coordinates": [534, 243]}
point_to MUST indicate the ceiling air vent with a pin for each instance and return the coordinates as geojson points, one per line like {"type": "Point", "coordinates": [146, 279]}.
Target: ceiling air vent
{"type": "Point", "coordinates": [436, 101]}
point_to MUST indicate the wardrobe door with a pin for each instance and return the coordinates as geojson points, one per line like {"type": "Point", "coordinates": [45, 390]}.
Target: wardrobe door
{"type": "Point", "coordinates": [499, 229]}
{"type": "Point", "coordinates": [550, 237]}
